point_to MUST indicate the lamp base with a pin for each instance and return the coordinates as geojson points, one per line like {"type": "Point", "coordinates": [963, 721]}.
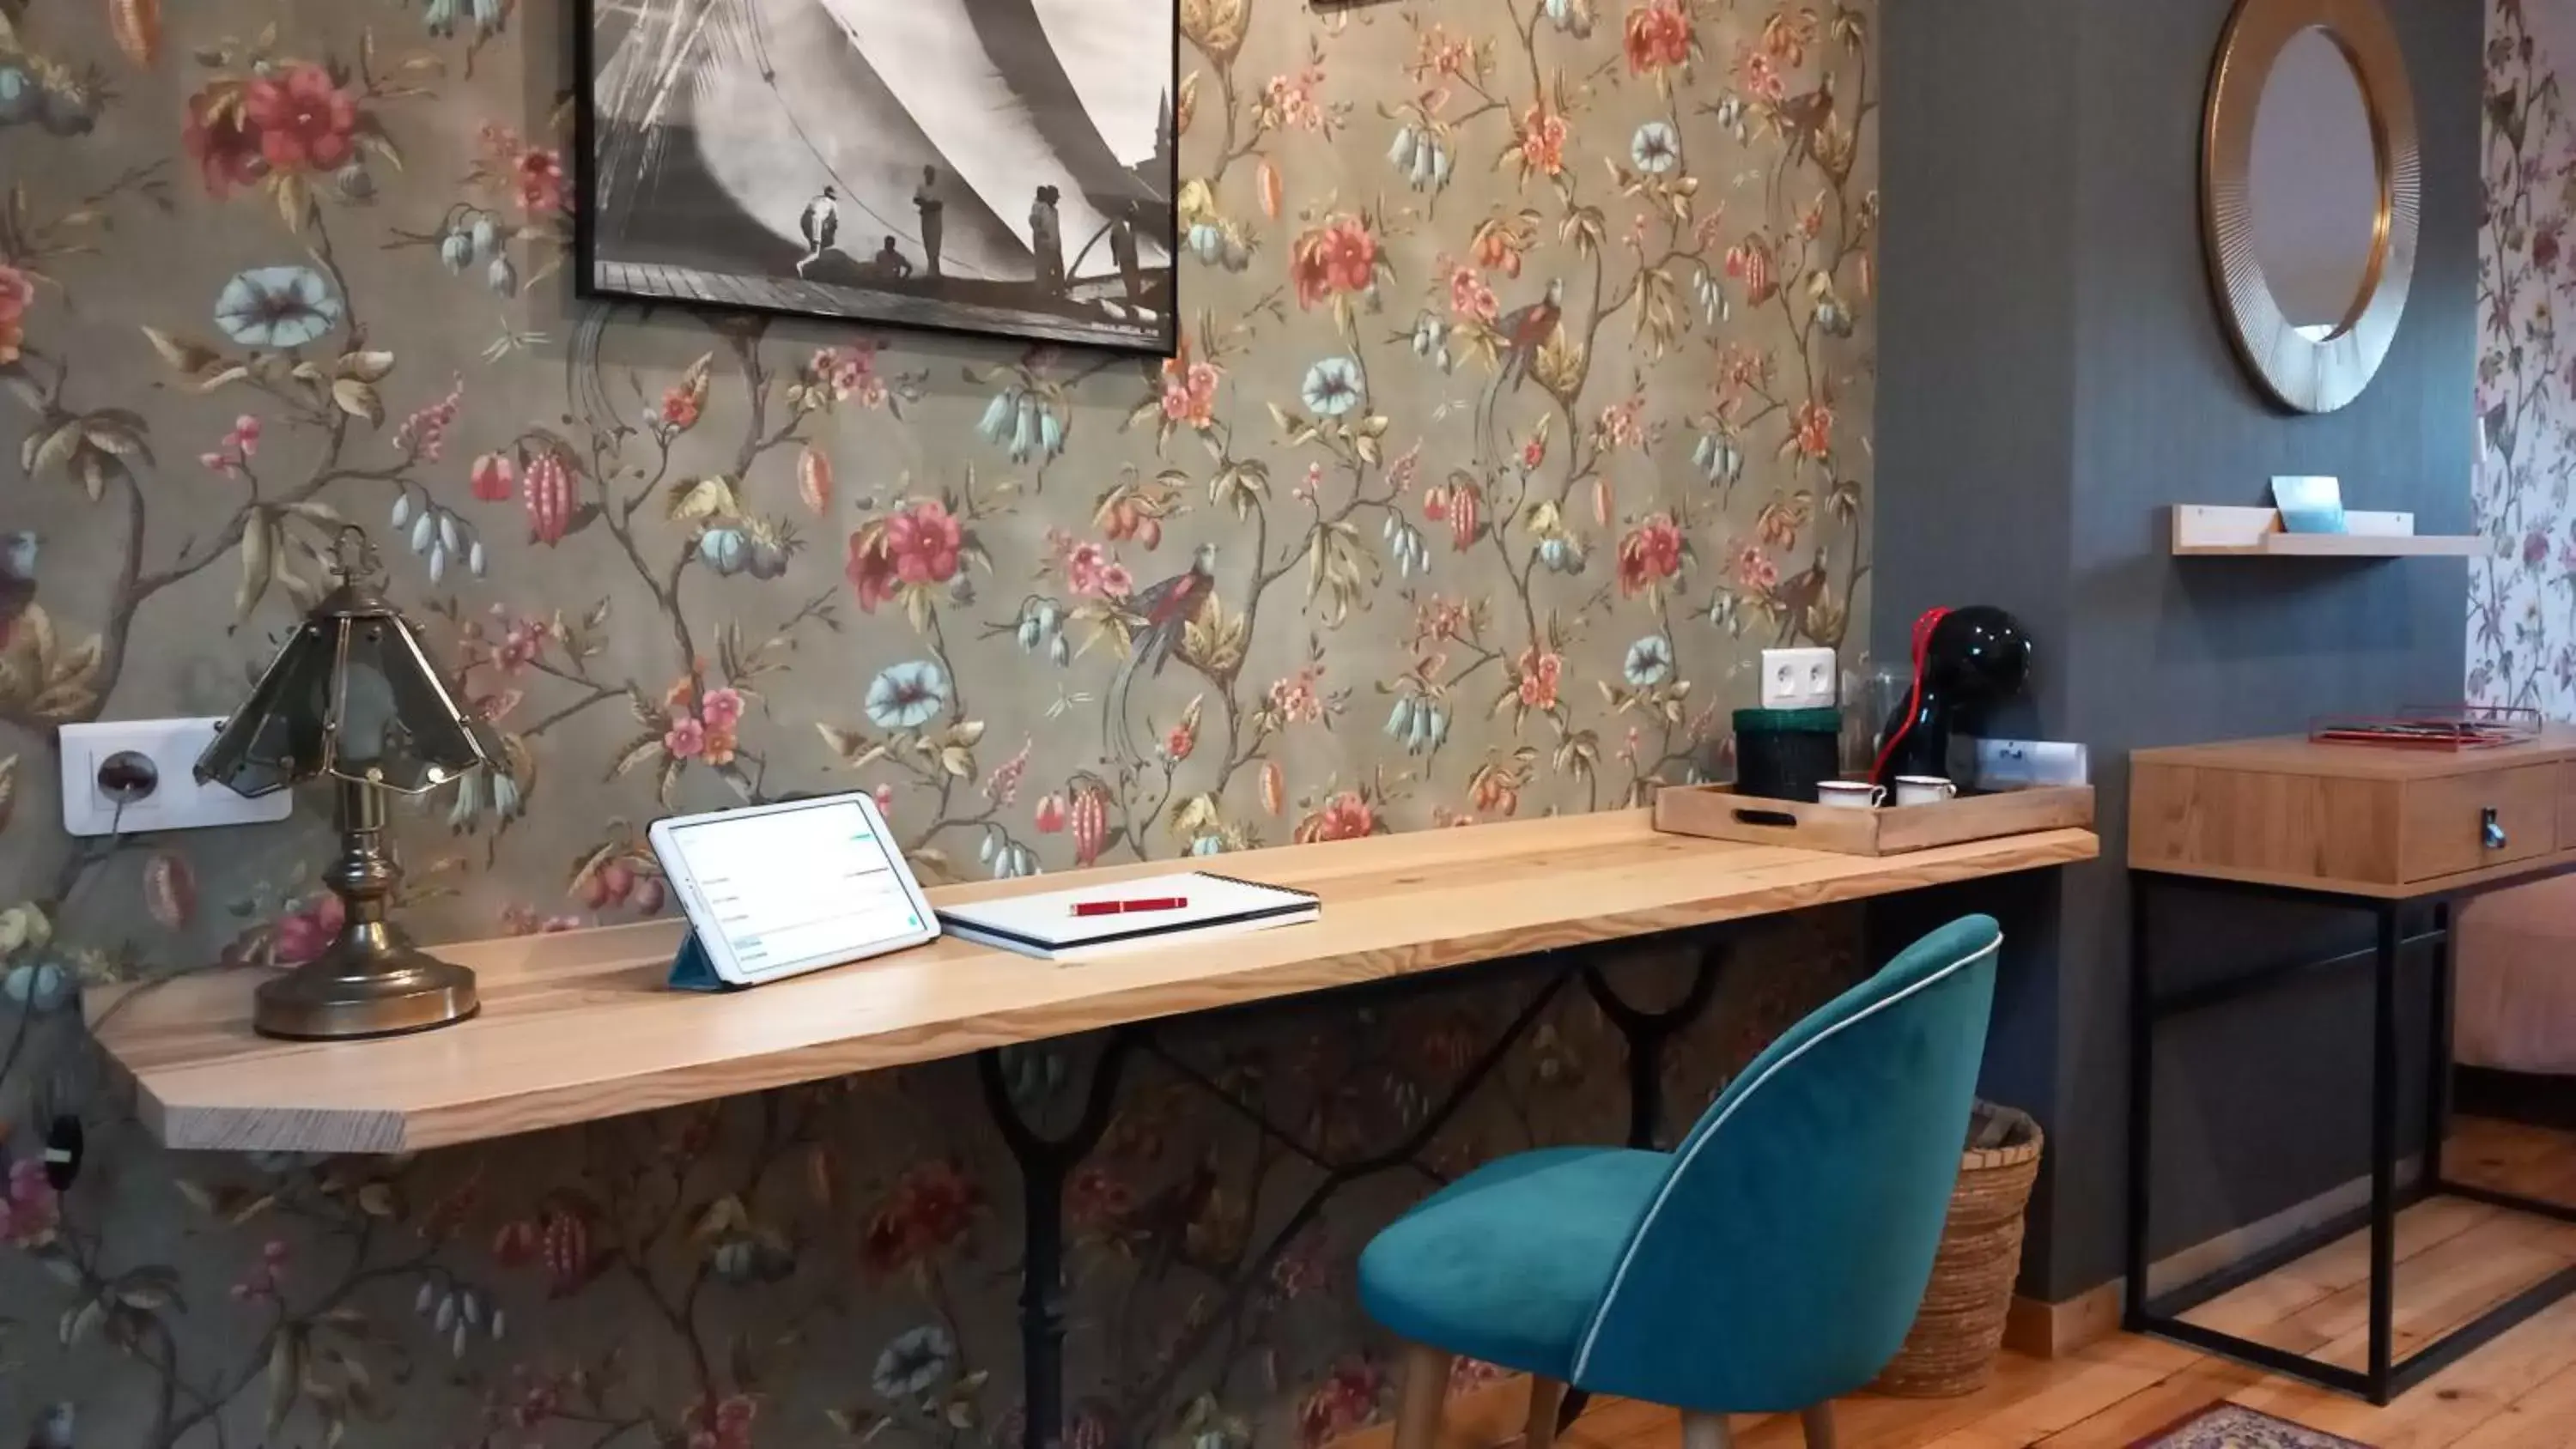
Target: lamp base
{"type": "Point", "coordinates": [346, 994]}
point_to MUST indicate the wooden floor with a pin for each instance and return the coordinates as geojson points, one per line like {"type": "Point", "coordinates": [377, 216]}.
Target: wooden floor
{"type": "Point", "coordinates": [2456, 1259]}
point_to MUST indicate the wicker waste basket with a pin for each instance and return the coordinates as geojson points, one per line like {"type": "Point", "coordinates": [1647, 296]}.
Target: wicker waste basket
{"type": "Point", "coordinates": [1960, 1327]}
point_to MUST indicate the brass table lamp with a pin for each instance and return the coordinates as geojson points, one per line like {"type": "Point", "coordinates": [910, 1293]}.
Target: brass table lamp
{"type": "Point", "coordinates": [354, 697]}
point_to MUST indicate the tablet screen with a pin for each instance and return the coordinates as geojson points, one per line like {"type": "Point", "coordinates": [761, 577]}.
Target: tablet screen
{"type": "Point", "coordinates": [791, 887]}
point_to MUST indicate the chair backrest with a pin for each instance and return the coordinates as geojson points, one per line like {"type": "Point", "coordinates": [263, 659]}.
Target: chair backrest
{"type": "Point", "coordinates": [1782, 1261]}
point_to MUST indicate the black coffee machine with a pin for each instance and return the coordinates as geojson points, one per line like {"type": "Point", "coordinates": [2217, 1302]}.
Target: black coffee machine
{"type": "Point", "coordinates": [1965, 661]}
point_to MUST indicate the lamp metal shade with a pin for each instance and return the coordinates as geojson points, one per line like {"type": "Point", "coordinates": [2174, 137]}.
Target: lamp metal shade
{"type": "Point", "coordinates": [354, 697]}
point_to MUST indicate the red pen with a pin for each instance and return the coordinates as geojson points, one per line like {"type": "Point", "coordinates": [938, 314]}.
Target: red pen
{"type": "Point", "coordinates": [1120, 908]}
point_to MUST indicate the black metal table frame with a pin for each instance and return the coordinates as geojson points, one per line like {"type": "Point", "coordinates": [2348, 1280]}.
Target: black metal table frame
{"type": "Point", "coordinates": [2384, 1376]}
{"type": "Point", "coordinates": [1046, 1162]}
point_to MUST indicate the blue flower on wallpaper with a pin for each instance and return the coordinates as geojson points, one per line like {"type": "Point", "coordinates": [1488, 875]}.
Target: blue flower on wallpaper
{"type": "Point", "coordinates": [1332, 387]}
{"type": "Point", "coordinates": [907, 696]}
{"type": "Point", "coordinates": [277, 307]}
{"type": "Point", "coordinates": [914, 1363]}
{"type": "Point", "coordinates": [1655, 148]}
{"type": "Point", "coordinates": [1650, 661]}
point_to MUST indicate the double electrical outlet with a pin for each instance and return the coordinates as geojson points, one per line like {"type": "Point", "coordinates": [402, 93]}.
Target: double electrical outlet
{"type": "Point", "coordinates": [1798, 679]}
{"type": "Point", "coordinates": [126, 777]}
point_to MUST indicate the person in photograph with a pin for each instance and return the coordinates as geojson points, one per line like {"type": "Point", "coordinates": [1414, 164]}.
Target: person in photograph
{"type": "Point", "coordinates": [1131, 270]}
{"type": "Point", "coordinates": [1046, 240]}
{"type": "Point", "coordinates": [821, 225]}
{"type": "Point", "coordinates": [933, 211]}
{"type": "Point", "coordinates": [889, 264]}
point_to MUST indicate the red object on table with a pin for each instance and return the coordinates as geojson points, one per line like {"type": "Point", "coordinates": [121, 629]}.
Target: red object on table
{"type": "Point", "coordinates": [1120, 908]}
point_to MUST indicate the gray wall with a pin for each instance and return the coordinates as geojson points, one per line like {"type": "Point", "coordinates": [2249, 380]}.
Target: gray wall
{"type": "Point", "coordinates": [2056, 375]}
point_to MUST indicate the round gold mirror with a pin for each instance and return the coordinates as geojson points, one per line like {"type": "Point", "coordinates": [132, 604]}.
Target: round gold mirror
{"type": "Point", "coordinates": [2310, 192]}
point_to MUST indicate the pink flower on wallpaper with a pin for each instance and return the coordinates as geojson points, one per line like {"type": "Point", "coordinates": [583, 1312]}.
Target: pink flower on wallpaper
{"type": "Point", "coordinates": [1754, 570]}
{"type": "Point", "coordinates": [31, 1209]}
{"type": "Point", "coordinates": [17, 294]}
{"type": "Point", "coordinates": [1536, 674]}
{"type": "Point", "coordinates": [1294, 699]}
{"type": "Point", "coordinates": [930, 1208]}
{"type": "Point", "coordinates": [1659, 36]}
{"type": "Point", "coordinates": [1050, 814]}
{"type": "Point", "coordinates": [1346, 816]}
{"type": "Point", "coordinates": [303, 120]}
{"type": "Point", "coordinates": [722, 708]}
{"type": "Point", "coordinates": [1189, 391]}
{"type": "Point", "coordinates": [302, 933]}
{"type": "Point", "coordinates": [1650, 554]}
{"type": "Point", "coordinates": [1337, 257]}
{"type": "Point", "coordinates": [871, 570]}
{"type": "Point", "coordinates": [1091, 572]}
{"type": "Point", "coordinates": [924, 541]}
{"type": "Point", "coordinates": [686, 739]}
{"type": "Point", "coordinates": [1543, 135]}
{"type": "Point", "coordinates": [1471, 296]}
{"type": "Point", "coordinates": [1343, 1401]}
{"type": "Point", "coordinates": [719, 1423]}
{"type": "Point", "coordinates": [1814, 428]}
{"type": "Point", "coordinates": [1760, 77]}
{"type": "Point", "coordinates": [226, 151]}
{"type": "Point", "coordinates": [540, 177]}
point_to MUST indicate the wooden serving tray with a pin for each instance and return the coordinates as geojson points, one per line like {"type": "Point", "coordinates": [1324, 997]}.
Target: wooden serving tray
{"type": "Point", "coordinates": [1718, 812]}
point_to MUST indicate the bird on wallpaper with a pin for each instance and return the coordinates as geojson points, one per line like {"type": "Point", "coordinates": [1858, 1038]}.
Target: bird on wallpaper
{"type": "Point", "coordinates": [2504, 107]}
{"type": "Point", "coordinates": [18, 552]}
{"type": "Point", "coordinates": [1802, 119]}
{"type": "Point", "coordinates": [1522, 331]}
{"type": "Point", "coordinates": [1165, 611]}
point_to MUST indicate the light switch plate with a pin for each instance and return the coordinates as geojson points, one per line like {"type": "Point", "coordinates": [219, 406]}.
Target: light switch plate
{"type": "Point", "coordinates": [177, 802]}
{"type": "Point", "coordinates": [1798, 678]}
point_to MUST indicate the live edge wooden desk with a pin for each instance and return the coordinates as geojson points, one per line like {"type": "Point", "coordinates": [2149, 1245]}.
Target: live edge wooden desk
{"type": "Point", "coordinates": [578, 1026]}
{"type": "Point", "coordinates": [2384, 830]}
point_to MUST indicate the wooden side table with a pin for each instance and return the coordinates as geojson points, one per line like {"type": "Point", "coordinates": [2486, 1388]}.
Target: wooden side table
{"type": "Point", "coordinates": [2380, 830]}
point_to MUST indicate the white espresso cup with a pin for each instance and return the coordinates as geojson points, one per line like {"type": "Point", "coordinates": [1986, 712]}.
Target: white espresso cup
{"type": "Point", "coordinates": [1924, 790]}
{"type": "Point", "coordinates": [1850, 794]}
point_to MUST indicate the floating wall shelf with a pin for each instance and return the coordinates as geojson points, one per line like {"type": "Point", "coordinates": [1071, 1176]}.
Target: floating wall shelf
{"type": "Point", "coordinates": [2206, 531]}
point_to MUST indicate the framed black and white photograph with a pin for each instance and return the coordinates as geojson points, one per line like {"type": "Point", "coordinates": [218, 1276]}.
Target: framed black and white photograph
{"type": "Point", "coordinates": [996, 166]}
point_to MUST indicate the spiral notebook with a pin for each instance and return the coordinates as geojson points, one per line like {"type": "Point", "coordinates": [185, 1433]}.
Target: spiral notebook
{"type": "Point", "coordinates": [1047, 926]}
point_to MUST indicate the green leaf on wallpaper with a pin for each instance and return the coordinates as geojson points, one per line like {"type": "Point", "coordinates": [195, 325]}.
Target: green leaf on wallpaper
{"type": "Point", "coordinates": [56, 449]}
{"type": "Point", "coordinates": [637, 750]}
{"type": "Point", "coordinates": [285, 1376]}
{"type": "Point", "coordinates": [359, 400]}
{"type": "Point", "coordinates": [697, 500]}
{"type": "Point", "coordinates": [258, 541]}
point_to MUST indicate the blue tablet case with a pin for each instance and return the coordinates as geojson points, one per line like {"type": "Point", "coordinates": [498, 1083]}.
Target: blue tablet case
{"type": "Point", "coordinates": [692, 971]}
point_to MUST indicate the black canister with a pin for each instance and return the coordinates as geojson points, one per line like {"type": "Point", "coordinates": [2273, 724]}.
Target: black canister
{"type": "Point", "coordinates": [1784, 754]}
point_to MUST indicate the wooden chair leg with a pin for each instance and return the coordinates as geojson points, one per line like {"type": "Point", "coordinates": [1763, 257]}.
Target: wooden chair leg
{"type": "Point", "coordinates": [1545, 1397]}
{"type": "Point", "coordinates": [1706, 1431]}
{"type": "Point", "coordinates": [1818, 1421]}
{"type": "Point", "coordinates": [1424, 1389]}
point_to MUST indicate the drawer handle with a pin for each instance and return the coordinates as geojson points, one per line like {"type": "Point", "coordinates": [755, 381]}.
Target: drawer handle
{"type": "Point", "coordinates": [2490, 829]}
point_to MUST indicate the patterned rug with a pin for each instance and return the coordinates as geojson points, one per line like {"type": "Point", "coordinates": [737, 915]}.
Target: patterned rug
{"type": "Point", "coordinates": [2232, 1426]}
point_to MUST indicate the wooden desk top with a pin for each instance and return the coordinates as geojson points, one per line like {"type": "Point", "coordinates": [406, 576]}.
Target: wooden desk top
{"type": "Point", "coordinates": [578, 1026]}
{"type": "Point", "coordinates": [2298, 755]}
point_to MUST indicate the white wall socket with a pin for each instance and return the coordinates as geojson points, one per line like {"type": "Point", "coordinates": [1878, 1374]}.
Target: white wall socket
{"type": "Point", "coordinates": [178, 802]}
{"type": "Point", "coordinates": [1798, 679]}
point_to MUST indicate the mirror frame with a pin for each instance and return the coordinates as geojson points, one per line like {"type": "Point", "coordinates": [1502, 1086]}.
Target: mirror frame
{"type": "Point", "coordinates": [2310, 376]}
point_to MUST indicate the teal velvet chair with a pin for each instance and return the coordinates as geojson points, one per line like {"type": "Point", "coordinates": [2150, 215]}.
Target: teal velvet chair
{"type": "Point", "coordinates": [1770, 1263]}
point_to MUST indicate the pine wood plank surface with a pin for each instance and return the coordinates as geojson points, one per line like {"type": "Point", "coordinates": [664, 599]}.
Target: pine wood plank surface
{"type": "Point", "coordinates": [578, 1026]}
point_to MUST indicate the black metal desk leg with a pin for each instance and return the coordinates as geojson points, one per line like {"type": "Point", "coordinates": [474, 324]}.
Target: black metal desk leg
{"type": "Point", "coordinates": [2437, 1058]}
{"type": "Point", "coordinates": [2383, 1154]}
{"type": "Point", "coordinates": [1646, 1032]}
{"type": "Point", "coordinates": [2142, 1093]}
{"type": "Point", "coordinates": [1045, 1163]}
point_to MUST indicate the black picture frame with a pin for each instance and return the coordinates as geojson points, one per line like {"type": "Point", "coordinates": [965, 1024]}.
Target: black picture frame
{"type": "Point", "coordinates": [620, 260]}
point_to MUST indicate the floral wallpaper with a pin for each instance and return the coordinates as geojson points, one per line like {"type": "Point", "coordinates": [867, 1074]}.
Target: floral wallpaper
{"type": "Point", "coordinates": [1523, 397]}
{"type": "Point", "coordinates": [2522, 593]}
